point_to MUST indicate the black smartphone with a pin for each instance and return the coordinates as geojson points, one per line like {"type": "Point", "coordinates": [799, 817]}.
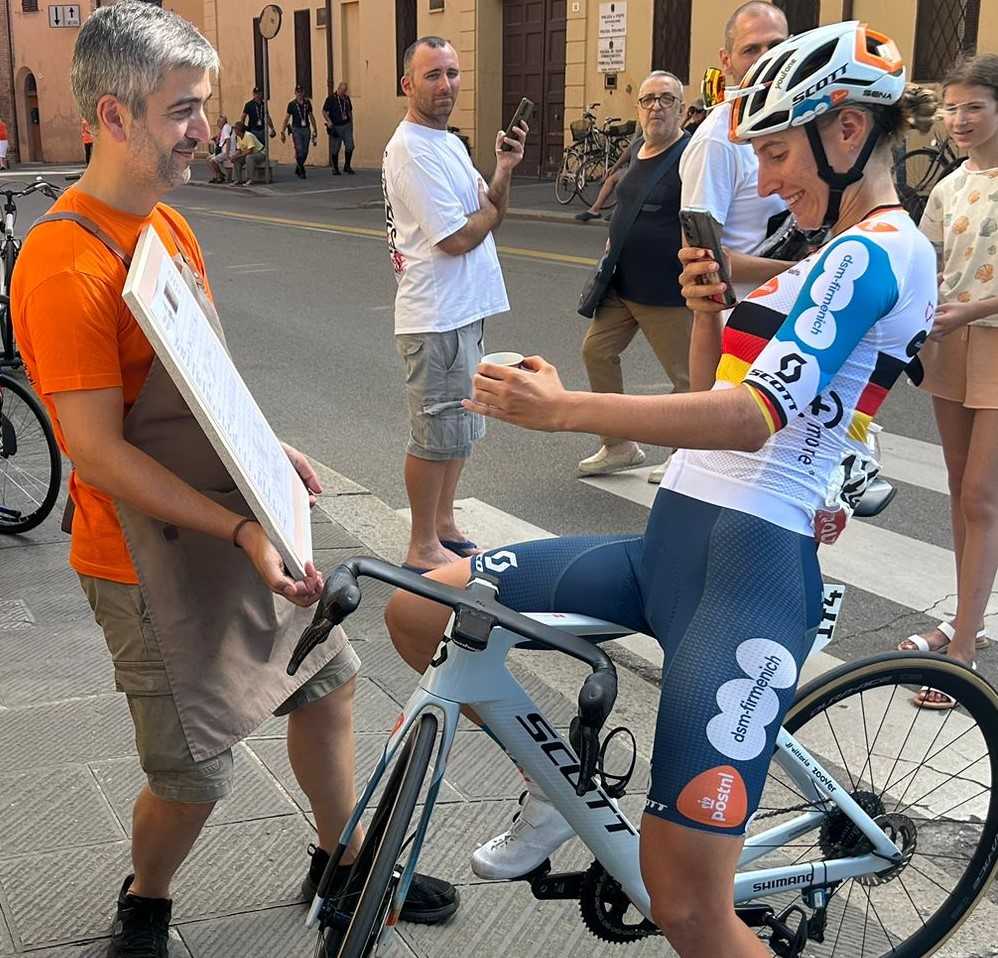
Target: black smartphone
{"type": "Point", "coordinates": [523, 113]}
{"type": "Point", "coordinates": [703, 231]}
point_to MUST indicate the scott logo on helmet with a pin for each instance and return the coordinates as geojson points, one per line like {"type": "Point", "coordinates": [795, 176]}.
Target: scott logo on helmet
{"type": "Point", "coordinates": [820, 84]}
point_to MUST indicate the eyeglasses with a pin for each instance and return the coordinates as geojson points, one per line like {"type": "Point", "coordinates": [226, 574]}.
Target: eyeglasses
{"type": "Point", "coordinates": [665, 100]}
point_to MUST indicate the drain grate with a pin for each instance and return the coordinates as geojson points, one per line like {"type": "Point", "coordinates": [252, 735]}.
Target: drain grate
{"type": "Point", "coordinates": [15, 614]}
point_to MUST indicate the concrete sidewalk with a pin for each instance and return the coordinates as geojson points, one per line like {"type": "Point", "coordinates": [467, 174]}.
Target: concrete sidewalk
{"type": "Point", "coordinates": [68, 775]}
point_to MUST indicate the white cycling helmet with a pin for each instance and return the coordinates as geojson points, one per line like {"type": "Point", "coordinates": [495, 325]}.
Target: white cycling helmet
{"type": "Point", "coordinates": [817, 71]}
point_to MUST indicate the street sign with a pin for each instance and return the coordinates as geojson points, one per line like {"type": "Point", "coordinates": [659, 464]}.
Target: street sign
{"type": "Point", "coordinates": [611, 55]}
{"type": "Point", "coordinates": [613, 19]}
{"type": "Point", "coordinates": [64, 15]}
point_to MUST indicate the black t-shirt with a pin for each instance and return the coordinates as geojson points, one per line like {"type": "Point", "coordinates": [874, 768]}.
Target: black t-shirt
{"type": "Point", "coordinates": [255, 113]}
{"type": "Point", "coordinates": [299, 113]}
{"type": "Point", "coordinates": [339, 108]}
{"type": "Point", "coordinates": [648, 269]}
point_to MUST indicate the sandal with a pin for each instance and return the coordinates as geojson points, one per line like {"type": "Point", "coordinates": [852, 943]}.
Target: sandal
{"type": "Point", "coordinates": [920, 701]}
{"type": "Point", "coordinates": [464, 548]}
{"type": "Point", "coordinates": [922, 644]}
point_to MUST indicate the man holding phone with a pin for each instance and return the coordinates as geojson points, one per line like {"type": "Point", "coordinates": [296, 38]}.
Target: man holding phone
{"type": "Point", "coordinates": [440, 215]}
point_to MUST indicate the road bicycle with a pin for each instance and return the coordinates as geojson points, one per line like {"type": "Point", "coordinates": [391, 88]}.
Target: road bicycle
{"type": "Point", "coordinates": [30, 464]}
{"type": "Point", "coordinates": [593, 152]}
{"type": "Point", "coordinates": [10, 247]}
{"type": "Point", "coordinates": [917, 171]}
{"type": "Point", "coordinates": [877, 833]}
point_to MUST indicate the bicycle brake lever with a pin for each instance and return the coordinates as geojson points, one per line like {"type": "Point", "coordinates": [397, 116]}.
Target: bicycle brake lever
{"type": "Point", "coordinates": [585, 741]}
{"type": "Point", "coordinates": [314, 635]}
{"type": "Point", "coordinates": [340, 596]}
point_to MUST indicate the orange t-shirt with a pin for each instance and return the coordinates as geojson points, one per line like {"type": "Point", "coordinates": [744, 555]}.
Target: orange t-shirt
{"type": "Point", "coordinates": [75, 332]}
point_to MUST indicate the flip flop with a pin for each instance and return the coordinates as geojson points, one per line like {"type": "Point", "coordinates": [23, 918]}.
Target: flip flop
{"type": "Point", "coordinates": [948, 702]}
{"type": "Point", "coordinates": [922, 644]}
{"type": "Point", "coordinates": [465, 548]}
{"type": "Point", "coordinates": [415, 568]}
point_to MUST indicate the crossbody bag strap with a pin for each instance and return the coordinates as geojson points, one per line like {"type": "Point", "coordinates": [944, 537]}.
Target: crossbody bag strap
{"type": "Point", "coordinates": [622, 228]}
{"type": "Point", "coordinates": [91, 227]}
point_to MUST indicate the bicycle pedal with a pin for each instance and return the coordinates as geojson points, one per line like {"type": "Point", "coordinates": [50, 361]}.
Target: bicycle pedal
{"type": "Point", "coordinates": [561, 886]}
{"type": "Point", "coordinates": [784, 941]}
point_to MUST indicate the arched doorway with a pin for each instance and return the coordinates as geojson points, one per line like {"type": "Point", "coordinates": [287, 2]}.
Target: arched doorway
{"type": "Point", "coordinates": [33, 118]}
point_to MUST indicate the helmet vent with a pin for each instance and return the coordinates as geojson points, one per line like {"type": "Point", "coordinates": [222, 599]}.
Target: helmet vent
{"type": "Point", "coordinates": [818, 59]}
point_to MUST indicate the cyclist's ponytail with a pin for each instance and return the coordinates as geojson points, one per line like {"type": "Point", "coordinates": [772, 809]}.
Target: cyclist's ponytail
{"type": "Point", "coordinates": [916, 110]}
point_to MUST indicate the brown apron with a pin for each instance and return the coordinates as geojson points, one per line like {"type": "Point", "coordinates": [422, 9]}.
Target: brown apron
{"type": "Point", "coordinates": [224, 636]}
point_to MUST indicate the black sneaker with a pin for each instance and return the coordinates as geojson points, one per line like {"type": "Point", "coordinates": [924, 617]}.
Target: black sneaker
{"type": "Point", "coordinates": [141, 927]}
{"type": "Point", "coordinates": [429, 902]}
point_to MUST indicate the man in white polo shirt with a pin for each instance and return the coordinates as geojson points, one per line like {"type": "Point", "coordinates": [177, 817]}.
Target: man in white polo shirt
{"type": "Point", "coordinates": [440, 215]}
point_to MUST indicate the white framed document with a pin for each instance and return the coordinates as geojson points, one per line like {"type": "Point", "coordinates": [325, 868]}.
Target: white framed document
{"type": "Point", "coordinates": [190, 350]}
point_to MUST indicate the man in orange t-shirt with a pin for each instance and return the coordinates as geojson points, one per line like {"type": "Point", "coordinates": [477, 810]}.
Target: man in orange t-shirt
{"type": "Point", "coordinates": [88, 141]}
{"type": "Point", "coordinates": [3, 144]}
{"type": "Point", "coordinates": [89, 360]}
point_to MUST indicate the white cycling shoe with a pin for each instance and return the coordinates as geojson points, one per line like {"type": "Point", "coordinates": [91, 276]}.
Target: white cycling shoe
{"type": "Point", "coordinates": [539, 830]}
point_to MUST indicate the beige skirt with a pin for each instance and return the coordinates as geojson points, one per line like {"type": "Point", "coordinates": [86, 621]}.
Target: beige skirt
{"type": "Point", "coordinates": [963, 367]}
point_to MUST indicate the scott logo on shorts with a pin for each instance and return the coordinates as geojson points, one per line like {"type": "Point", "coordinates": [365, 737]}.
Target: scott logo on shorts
{"type": "Point", "coordinates": [496, 561]}
{"type": "Point", "coordinates": [748, 705]}
{"type": "Point", "coordinates": [715, 797]}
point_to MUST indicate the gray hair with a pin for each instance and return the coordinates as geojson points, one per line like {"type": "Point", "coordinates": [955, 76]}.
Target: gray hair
{"type": "Point", "coordinates": [125, 50]}
{"type": "Point", "coordinates": [437, 43]}
{"type": "Point", "coordinates": [668, 76]}
{"type": "Point", "coordinates": [757, 7]}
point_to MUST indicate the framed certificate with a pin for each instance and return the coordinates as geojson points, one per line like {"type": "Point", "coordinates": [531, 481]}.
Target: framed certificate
{"type": "Point", "coordinates": [190, 350]}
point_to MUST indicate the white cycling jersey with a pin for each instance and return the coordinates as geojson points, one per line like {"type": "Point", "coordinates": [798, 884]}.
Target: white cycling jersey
{"type": "Point", "coordinates": [819, 346]}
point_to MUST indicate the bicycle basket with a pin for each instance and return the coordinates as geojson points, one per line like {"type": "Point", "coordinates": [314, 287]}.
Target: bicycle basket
{"type": "Point", "coordinates": [626, 128]}
{"type": "Point", "coordinates": [580, 129]}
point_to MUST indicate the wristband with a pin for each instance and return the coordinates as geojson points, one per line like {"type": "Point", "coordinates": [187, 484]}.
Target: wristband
{"type": "Point", "coordinates": [235, 532]}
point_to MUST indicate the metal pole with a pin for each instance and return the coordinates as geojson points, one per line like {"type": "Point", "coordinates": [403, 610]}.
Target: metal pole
{"type": "Point", "coordinates": [267, 178]}
{"type": "Point", "coordinates": [329, 71]}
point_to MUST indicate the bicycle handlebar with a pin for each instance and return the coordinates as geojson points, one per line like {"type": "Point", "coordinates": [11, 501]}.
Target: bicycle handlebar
{"type": "Point", "coordinates": [47, 188]}
{"type": "Point", "coordinates": [341, 596]}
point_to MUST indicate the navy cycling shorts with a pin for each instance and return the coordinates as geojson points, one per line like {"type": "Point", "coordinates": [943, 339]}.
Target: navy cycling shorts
{"type": "Point", "coordinates": [735, 603]}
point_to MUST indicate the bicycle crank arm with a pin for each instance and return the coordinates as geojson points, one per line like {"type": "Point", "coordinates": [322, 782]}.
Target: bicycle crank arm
{"type": "Point", "coordinates": [561, 886]}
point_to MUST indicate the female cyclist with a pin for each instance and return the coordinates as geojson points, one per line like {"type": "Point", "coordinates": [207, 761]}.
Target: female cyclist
{"type": "Point", "coordinates": [726, 575]}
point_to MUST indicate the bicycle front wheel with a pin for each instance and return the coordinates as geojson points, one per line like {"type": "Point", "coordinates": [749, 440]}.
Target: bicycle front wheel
{"type": "Point", "coordinates": [377, 869]}
{"type": "Point", "coordinates": [30, 465]}
{"type": "Point", "coordinates": [566, 181]}
{"type": "Point", "coordinates": [925, 777]}
{"type": "Point", "coordinates": [591, 177]}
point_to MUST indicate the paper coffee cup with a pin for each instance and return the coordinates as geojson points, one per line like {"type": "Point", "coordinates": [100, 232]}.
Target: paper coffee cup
{"type": "Point", "coordinates": [504, 359]}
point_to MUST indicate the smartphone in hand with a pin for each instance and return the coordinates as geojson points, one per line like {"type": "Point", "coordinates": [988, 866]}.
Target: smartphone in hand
{"type": "Point", "coordinates": [522, 115]}
{"type": "Point", "coordinates": [703, 231]}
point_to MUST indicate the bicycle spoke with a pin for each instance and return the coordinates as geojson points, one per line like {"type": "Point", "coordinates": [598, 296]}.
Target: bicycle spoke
{"type": "Point", "coordinates": [929, 878]}
{"type": "Point", "coordinates": [869, 751]}
{"type": "Point", "coordinates": [936, 788]}
{"type": "Point", "coordinates": [883, 928]}
{"type": "Point", "coordinates": [915, 770]}
{"type": "Point", "coordinates": [927, 750]}
{"type": "Point", "coordinates": [845, 763]}
{"type": "Point", "coordinates": [845, 911]}
{"type": "Point", "coordinates": [900, 751]}
{"type": "Point", "coordinates": [900, 881]}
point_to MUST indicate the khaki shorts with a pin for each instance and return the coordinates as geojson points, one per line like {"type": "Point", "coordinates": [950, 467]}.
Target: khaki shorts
{"type": "Point", "coordinates": [438, 369]}
{"type": "Point", "coordinates": [963, 367]}
{"type": "Point", "coordinates": [139, 672]}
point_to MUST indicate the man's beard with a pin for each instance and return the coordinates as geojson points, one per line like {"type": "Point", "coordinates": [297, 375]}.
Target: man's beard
{"type": "Point", "coordinates": [166, 170]}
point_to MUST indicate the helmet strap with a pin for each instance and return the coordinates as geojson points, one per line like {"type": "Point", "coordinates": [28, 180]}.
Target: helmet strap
{"type": "Point", "coordinates": [837, 182]}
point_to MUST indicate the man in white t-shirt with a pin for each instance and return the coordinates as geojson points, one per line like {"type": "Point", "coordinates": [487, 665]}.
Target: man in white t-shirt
{"type": "Point", "coordinates": [722, 177]}
{"type": "Point", "coordinates": [440, 214]}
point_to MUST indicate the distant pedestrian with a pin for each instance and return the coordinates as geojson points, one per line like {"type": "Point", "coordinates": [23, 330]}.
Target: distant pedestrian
{"type": "Point", "coordinates": [301, 121]}
{"type": "Point", "coordinates": [642, 291]}
{"type": "Point", "coordinates": [221, 147]}
{"type": "Point", "coordinates": [609, 184]}
{"type": "Point", "coordinates": [249, 155]}
{"type": "Point", "coordinates": [337, 111]}
{"type": "Point", "coordinates": [87, 139]}
{"type": "Point", "coordinates": [256, 116]}
{"type": "Point", "coordinates": [3, 144]}
{"type": "Point", "coordinates": [440, 215]}
{"type": "Point", "coordinates": [695, 115]}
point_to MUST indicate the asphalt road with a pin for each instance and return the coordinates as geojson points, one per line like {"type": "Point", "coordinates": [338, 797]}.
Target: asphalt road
{"type": "Point", "coordinates": [305, 291]}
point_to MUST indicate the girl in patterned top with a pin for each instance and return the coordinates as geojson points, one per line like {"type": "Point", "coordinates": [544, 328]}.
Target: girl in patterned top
{"type": "Point", "coordinates": [961, 356]}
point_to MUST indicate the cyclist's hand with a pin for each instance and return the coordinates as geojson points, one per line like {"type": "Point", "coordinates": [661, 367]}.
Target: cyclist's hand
{"type": "Point", "coordinates": [515, 139]}
{"type": "Point", "coordinates": [531, 397]}
{"type": "Point", "coordinates": [270, 567]}
{"type": "Point", "coordinates": [696, 263]}
{"type": "Point", "coordinates": [951, 317]}
{"type": "Point", "coordinates": [304, 469]}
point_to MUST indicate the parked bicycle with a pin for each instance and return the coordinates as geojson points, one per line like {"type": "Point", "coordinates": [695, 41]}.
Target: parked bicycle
{"type": "Point", "coordinates": [594, 150]}
{"type": "Point", "coordinates": [30, 464]}
{"type": "Point", "coordinates": [10, 247]}
{"type": "Point", "coordinates": [877, 830]}
{"type": "Point", "coordinates": [917, 171]}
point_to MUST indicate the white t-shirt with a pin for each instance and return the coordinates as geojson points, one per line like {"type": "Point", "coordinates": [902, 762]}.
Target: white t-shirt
{"type": "Point", "coordinates": [723, 177]}
{"type": "Point", "coordinates": [961, 221]}
{"type": "Point", "coordinates": [431, 188]}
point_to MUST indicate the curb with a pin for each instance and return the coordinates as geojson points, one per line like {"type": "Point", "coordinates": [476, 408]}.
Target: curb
{"type": "Point", "coordinates": [546, 216]}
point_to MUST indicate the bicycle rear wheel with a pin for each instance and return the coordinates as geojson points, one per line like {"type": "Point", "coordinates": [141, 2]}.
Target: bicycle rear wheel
{"type": "Point", "coordinates": [918, 171]}
{"type": "Point", "coordinates": [377, 869]}
{"type": "Point", "coordinates": [566, 180]}
{"type": "Point", "coordinates": [591, 177]}
{"type": "Point", "coordinates": [925, 777]}
{"type": "Point", "coordinates": [30, 465]}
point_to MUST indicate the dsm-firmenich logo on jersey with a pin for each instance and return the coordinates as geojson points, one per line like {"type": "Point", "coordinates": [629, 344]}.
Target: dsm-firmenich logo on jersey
{"type": "Point", "coordinates": [831, 293]}
{"type": "Point", "coordinates": [748, 705]}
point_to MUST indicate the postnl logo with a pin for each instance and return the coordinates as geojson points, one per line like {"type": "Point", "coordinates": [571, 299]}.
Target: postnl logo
{"type": "Point", "coordinates": [832, 292]}
{"type": "Point", "coordinates": [748, 705]}
{"type": "Point", "coordinates": [767, 288]}
{"type": "Point", "coordinates": [715, 797]}
{"type": "Point", "coordinates": [877, 226]}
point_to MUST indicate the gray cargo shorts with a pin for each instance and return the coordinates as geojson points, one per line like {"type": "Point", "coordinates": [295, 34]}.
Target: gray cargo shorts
{"type": "Point", "coordinates": [172, 772]}
{"type": "Point", "coordinates": [438, 369]}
